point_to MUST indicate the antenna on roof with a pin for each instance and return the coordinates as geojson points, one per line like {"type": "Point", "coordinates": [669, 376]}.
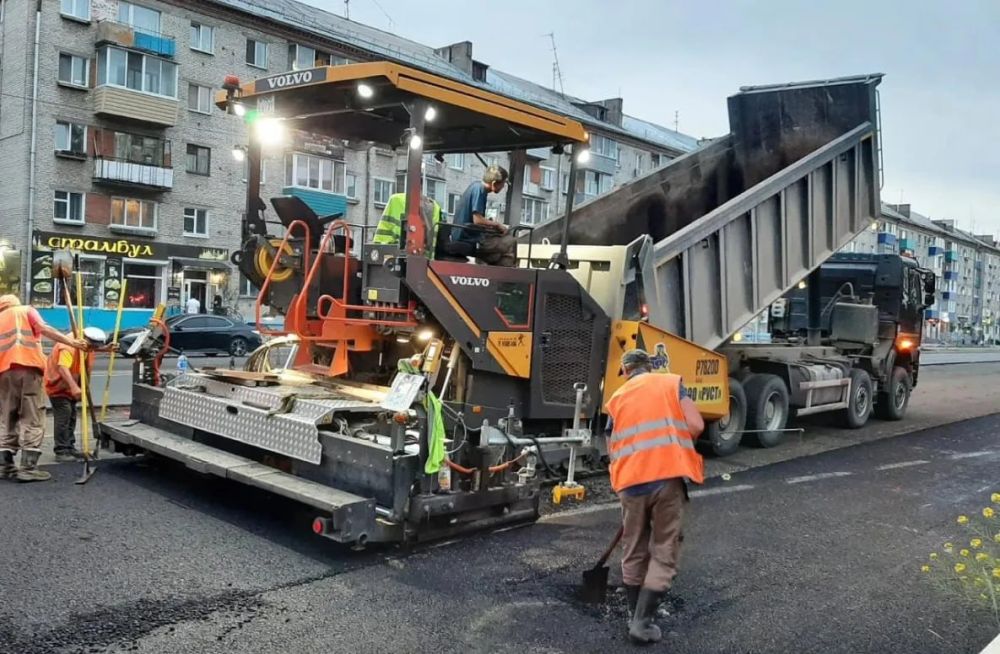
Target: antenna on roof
{"type": "Point", "coordinates": [677, 120]}
{"type": "Point", "coordinates": [556, 71]}
{"type": "Point", "coordinates": [347, 9]}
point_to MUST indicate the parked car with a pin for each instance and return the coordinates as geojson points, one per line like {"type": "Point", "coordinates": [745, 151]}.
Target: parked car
{"type": "Point", "coordinates": [203, 333]}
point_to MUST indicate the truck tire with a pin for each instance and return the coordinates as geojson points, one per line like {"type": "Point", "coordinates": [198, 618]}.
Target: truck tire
{"type": "Point", "coordinates": [859, 408]}
{"type": "Point", "coordinates": [722, 437]}
{"type": "Point", "coordinates": [892, 403]}
{"type": "Point", "coordinates": [767, 409]}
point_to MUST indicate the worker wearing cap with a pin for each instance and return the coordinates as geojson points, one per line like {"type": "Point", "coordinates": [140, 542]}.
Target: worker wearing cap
{"type": "Point", "coordinates": [495, 246]}
{"type": "Point", "coordinates": [651, 447]}
{"type": "Point", "coordinates": [392, 226]}
{"type": "Point", "coordinates": [62, 385]}
{"type": "Point", "coordinates": [22, 366]}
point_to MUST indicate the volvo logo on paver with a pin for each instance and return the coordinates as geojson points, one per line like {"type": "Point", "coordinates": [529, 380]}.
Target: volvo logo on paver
{"type": "Point", "coordinates": [288, 80]}
{"type": "Point", "coordinates": [459, 280]}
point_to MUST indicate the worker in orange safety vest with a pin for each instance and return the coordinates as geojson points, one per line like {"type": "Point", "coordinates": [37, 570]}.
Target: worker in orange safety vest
{"type": "Point", "coordinates": [22, 364]}
{"type": "Point", "coordinates": [653, 429]}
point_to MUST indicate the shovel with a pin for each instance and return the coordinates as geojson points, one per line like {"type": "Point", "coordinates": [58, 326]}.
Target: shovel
{"type": "Point", "coordinates": [594, 589]}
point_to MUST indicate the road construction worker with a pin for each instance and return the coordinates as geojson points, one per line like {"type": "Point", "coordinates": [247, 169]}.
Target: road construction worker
{"type": "Point", "coordinates": [22, 364]}
{"type": "Point", "coordinates": [62, 385]}
{"type": "Point", "coordinates": [391, 227]}
{"type": "Point", "coordinates": [653, 429]}
{"type": "Point", "coordinates": [496, 247]}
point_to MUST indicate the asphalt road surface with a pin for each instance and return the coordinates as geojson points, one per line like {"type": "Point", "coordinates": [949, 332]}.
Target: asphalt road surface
{"type": "Point", "coordinates": [816, 554]}
{"type": "Point", "coordinates": [809, 551]}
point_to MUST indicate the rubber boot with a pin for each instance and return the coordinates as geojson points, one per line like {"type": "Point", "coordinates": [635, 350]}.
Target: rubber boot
{"type": "Point", "coordinates": [7, 467]}
{"type": "Point", "coordinates": [632, 597]}
{"type": "Point", "coordinates": [641, 629]}
{"type": "Point", "coordinates": [29, 467]}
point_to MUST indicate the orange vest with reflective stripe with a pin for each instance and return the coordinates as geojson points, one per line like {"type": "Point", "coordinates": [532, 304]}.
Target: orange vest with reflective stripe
{"type": "Point", "coordinates": [18, 344]}
{"type": "Point", "coordinates": [55, 385]}
{"type": "Point", "coordinates": [650, 440]}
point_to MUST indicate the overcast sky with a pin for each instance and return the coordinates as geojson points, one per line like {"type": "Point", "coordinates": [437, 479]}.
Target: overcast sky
{"type": "Point", "coordinates": [940, 96]}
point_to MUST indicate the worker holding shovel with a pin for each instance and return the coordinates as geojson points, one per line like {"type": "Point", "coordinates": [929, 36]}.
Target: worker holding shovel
{"type": "Point", "coordinates": [22, 365]}
{"type": "Point", "coordinates": [654, 426]}
{"type": "Point", "coordinates": [62, 385]}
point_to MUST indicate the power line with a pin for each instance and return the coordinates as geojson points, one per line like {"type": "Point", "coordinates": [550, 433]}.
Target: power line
{"type": "Point", "coordinates": [384, 12]}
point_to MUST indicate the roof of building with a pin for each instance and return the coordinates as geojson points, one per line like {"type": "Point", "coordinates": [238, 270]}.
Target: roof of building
{"type": "Point", "coordinates": [390, 46]}
{"type": "Point", "coordinates": [927, 224]}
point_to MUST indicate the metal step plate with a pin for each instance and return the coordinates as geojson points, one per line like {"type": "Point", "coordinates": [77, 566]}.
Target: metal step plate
{"type": "Point", "coordinates": [206, 459]}
{"type": "Point", "coordinates": [280, 419]}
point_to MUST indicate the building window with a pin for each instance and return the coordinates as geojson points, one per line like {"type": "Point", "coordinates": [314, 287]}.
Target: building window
{"type": "Point", "coordinates": [136, 71]}
{"type": "Point", "coordinates": [603, 146]}
{"type": "Point", "coordinates": [351, 186]}
{"type": "Point", "coordinates": [141, 18]}
{"type": "Point", "coordinates": [145, 283]}
{"type": "Point", "coordinates": [92, 275]}
{"type": "Point", "coordinates": [383, 189]}
{"type": "Point", "coordinates": [73, 70]}
{"type": "Point", "coordinates": [455, 161]}
{"type": "Point", "coordinates": [202, 38]}
{"type": "Point", "coordinates": [71, 138]}
{"type": "Point", "coordinates": [199, 159]}
{"type": "Point", "coordinates": [436, 190]}
{"type": "Point", "coordinates": [195, 222]}
{"type": "Point", "coordinates": [68, 207]}
{"type": "Point", "coordinates": [199, 98]}
{"type": "Point", "coordinates": [453, 200]}
{"type": "Point", "coordinates": [140, 149]}
{"type": "Point", "coordinates": [548, 178]}
{"type": "Point", "coordinates": [565, 183]}
{"type": "Point", "coordinates": [132, 213]}
{"type": "Point", "coordinates": [595, 183]}
{"type": "Point", "coordinates": [320, 173]}
{"type": "Point", "coordinates": [303, 56]}
{"type": "Point", "coordinates": [79, 9]}
{"type": "Point", "coordinates": [257, 53]}
{"type": "Point", "coordinates": [534, 211]}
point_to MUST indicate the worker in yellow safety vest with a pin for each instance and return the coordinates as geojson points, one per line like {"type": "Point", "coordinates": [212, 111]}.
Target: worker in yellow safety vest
{"type": "Point", "coordinates": [391, 227]}
{"type": "Point", "coordinates": [653, 429]}
{"type": "Point", "coordinates": [22, 365]}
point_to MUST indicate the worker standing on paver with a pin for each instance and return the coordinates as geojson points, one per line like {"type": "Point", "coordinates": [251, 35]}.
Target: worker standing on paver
{"type": "Point", "coordinates": [62, 385]}
{"type": "Point", "coordinates": [392, 225]}
{"type": "Point", "coordinates": [497, 246]}
{"type": "Point", "coordinates": [22, 365]}
{"type": "Point", "coordinates": [653, 429]}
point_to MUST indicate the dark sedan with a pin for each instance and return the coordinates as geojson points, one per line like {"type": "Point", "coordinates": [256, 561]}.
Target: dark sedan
{"type": "Point", "coordinates": [203, 333]}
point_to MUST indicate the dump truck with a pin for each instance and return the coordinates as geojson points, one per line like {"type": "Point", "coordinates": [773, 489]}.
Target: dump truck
{"type": "Point", "coordinates": [425, 395]}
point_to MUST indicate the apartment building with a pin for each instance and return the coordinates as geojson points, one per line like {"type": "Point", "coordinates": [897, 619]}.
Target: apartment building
{"type": "Point", "coordinates": [113, 148]}
{"type": "Point", "coordinates": [967, 267]}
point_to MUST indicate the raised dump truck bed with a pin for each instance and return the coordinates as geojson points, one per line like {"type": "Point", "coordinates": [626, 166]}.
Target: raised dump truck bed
{"type": "Point", "coordinates": [746, 217]}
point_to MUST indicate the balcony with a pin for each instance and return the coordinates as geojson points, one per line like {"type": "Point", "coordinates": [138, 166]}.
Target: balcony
{"type": "Point", "coordinates": [934, 251]}
{"type": "Point", "coordinates": [135, 105]}
{"type": "Point", "coordinates": [950, 275]}
{"type": "Point", "coordinates": [886, 238]}
{"type": "Point", "coordinates": [120, 172]}
{"type": "Point", "coordinates": [951, 256]}
{"type": "Point", "coordinates": [948, 295]}
{"type": "Point", "coordinates": [136, 38]}
{"type": "Point", "coordinates": [906, 244]}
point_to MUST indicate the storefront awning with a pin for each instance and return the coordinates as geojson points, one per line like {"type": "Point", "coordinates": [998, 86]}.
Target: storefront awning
{"type": "Point", "coordinates": [200, 264]}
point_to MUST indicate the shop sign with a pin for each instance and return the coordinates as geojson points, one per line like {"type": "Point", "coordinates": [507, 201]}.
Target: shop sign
{"type": "Point", "coordinates": [124, 247]}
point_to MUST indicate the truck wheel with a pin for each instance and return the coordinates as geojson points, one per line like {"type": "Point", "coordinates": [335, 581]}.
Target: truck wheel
{"type": "Point", "coordinates": [859, 406]}
{"type": "Point", "coordinates": [722, 437]}
{"type": "Point", "coordinates": [767, 409]}
{"type": "Point", "coordinates": [892, 403]}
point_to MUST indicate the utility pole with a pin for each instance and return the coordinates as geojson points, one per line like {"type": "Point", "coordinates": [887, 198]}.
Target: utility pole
{"type": "Point", "coordinates": [556, 71]}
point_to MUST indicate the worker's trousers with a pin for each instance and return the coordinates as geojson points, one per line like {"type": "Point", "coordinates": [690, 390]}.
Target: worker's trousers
{"type": "Point", "coordinates": [651, 536]}
{"type": "Point", "coordinates": [64, 424]}
{"type": "Point", "coordinates": [22, 422]}
{"type": "Point", "coordinates": [497, 250]}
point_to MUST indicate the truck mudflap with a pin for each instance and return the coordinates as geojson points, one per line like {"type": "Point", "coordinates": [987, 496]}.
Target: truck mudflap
{"type": "Point", "coordinates": [705, 373]}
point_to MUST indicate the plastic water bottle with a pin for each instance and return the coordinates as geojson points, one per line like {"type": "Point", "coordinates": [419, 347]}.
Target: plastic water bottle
{"type": "Point", "coordinates": [183, 366]}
